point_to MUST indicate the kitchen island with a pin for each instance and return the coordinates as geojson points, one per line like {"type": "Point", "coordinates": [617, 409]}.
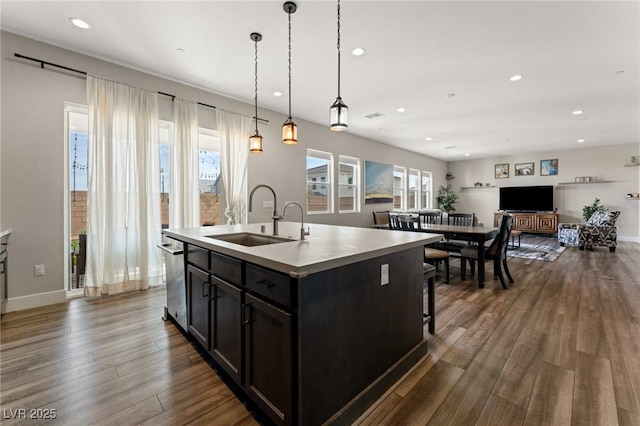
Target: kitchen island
{"type": "Point", "coordinates": [312, 331]}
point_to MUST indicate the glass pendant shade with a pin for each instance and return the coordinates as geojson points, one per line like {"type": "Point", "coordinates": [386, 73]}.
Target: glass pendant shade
{"type": "Point", "coordinates": [339, 116]}
{"type": "Point", "coordinates": [255, 142]}
{"type": "Point", "coordinates": [289, 132]}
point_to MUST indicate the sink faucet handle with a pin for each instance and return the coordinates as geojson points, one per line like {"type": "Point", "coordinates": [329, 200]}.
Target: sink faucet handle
{"type": "Point", "coordinates": [303, 233]}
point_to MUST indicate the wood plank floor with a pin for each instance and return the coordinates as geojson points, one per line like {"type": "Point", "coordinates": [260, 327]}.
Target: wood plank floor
{"type": "Point", "coordinates": [560, 347]}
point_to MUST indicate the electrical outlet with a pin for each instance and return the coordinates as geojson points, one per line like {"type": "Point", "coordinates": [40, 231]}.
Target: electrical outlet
{"type": "Point", "coordinates": [267, 204]}
{"type": "Point", "coordinates": [384, 274]}
{"type": "Point", "coordinates": [38, 270]}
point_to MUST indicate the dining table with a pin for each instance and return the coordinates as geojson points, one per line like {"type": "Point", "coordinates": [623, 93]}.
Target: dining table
{"type": "Point", "coordinates": [476, 234]}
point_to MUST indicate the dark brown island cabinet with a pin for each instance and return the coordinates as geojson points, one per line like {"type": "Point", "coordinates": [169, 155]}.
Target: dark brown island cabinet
{"type": "Point", "coordinates": [316, 345]}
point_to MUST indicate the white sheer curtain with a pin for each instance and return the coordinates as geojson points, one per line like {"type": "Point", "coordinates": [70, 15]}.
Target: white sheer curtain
{"type": "Point", "coordinates": [184, 205]}
{"type": "Point", "coordinates": [234, 131]}
{"type": "Point", "coordinates": [124, 189]}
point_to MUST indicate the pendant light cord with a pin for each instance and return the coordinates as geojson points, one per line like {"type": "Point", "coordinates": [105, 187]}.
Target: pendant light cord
{"type": "Point", "coordinates": [338, 48]}
{"type": "Point", "coordinates": [256, 81]}
{"type": "Point", "coordinates": [289, 64]}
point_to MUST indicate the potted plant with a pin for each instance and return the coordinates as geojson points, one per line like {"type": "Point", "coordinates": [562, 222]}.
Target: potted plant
{"type": "Point", "coordinates": [589, 210]}
{"type": "Point", "coordinates": [446, 198]}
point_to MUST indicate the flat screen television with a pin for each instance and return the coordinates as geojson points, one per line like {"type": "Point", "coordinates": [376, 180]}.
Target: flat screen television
{"type": "Point", "coordinates": [527, 198]}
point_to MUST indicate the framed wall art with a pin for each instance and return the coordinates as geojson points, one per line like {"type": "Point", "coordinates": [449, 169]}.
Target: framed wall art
{"type": "Point", "coordinates": [502, 171]}
{"type": "Point", "coordinates": [524, 169]}
{"type": "Point", "coordinates": [549, 167]}
{"type": "Point", "coordinates": [378, 183]}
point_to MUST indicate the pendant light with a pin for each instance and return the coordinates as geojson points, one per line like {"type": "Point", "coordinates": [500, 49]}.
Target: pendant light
{"type": "Point", "coordinates": [339, 111]}
{"type": "Point", "coordinates": [255, 141]}
{"type": "Point", "coordinates": [289, 128]}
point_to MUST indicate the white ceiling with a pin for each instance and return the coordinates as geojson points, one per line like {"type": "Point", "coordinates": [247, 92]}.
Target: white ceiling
{"type": "Point", "coordinates": [573, 55]}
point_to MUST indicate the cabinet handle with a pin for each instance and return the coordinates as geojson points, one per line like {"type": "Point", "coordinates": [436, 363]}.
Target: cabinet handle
{"type": "Point", "coordinates": [247, 316]}
{"type": "Point", "coordinates": [212, 290]}
{"type": "Point", "coordinates": [265, 283]}
{"type": "Point", "coordinates": [203, 285]}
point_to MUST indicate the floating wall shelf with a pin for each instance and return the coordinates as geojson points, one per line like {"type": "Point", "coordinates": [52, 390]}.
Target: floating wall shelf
{"type": "Point", "coordinates": [477, 187]}
{"type": "Point", "coordinates": [585, 183]}
{"type": "Point", "coordinates": [632, 165]}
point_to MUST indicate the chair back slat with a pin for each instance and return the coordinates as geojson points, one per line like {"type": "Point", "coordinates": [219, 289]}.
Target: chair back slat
{"type": "Point", "coordinates": [461, 219]}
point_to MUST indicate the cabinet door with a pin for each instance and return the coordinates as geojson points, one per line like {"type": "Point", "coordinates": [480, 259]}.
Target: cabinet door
{"type": "Point", "coordinates": [226, 327]}
{"type": "Point", "coordinates": [198, 287]}
{"type": "Point", "coordinates": [547, 223]}
{"type": "Point", "coordinates": [268, 358]}
{"type": "Point", "coordinates": [523, 222]}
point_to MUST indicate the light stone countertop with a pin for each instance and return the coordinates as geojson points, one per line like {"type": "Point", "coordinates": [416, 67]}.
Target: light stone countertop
{"type": "Point", "coordinates": [327, 247]}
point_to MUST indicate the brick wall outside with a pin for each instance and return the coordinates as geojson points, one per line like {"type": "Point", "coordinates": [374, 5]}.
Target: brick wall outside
{"type": "Point", "coordinates": [209, 211]}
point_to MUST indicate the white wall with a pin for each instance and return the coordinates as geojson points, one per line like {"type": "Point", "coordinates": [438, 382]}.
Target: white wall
{"type": "Point", "coordinates": [605, 163]}
{"type": "Point", "coordinates": [32, 161]}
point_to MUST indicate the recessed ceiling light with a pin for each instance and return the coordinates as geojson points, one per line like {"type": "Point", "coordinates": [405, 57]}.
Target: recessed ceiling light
{"type": "Point", "coordinates": [358, 51]}
{"type": "Point", "coordinates": [580, 140]}
{"type": "Point", "coordinates": [276, 93]}
{"type": "Point", "coordinates": [180, 50]}
{"type": "Point", "coordinates": [578, 112]}
{"type": "Point", "coordinates": [466, 154]}
{"type": "Point", "coordinates": [516, 77]}
{"type": "Point", "coordinates": [79, 23]}
{"type": "Point", "coordinates": [450, 95]}
{"type": "Point", "coordinates": [401, 109]}
{"type": "Point", "coordinates": [427, 139]}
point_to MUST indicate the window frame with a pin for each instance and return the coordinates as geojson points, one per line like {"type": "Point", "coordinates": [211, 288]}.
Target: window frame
{"type": "Point", "coordinates": [402, 189]}
{"type": "Point", "coordinates": [355, 185]}
{"type": "Point", "coordinates": [329, 183]}
{"type": "Point", "coordinates": [414, 194]}
{"type": "Point", "coordinates": [428, 196]}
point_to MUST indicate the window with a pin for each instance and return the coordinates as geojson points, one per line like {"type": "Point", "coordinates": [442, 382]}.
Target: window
{"type": "Point", "coordinates": [399, 174]}
{"type": "Point", "coordinates": [413, 200]}
{"type": "Point", "coordinates": [319, 195]}
{"type": "Point", "coordinates": [164, 138]}
{"type": "Point", "coordinates": [349, 182]}
{"type": "Point", "coordinates": [77, 181]}
{"type": "Point", "coordinates": [209, 183]}
{"type": "Point", "coordinates": [426, 190]}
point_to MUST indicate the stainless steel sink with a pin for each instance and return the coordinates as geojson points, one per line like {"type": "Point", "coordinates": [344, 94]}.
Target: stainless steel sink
{"type": "Point", "coordinates": [250, 240]}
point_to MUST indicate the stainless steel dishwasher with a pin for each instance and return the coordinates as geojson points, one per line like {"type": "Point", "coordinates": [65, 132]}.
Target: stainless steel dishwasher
{"type": "Point", "coordinates": [176, 307]}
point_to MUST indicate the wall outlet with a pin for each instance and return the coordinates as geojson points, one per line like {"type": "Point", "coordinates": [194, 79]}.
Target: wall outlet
{"type": "Point", "coordinates": [38, 270]}
{"type": "Point", "coordinates": [267, 204]}
{"type": "Point", "coordinates": [384, 274]}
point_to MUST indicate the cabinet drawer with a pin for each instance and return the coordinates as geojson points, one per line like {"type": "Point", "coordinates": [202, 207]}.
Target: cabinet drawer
{"type": "Point", "coordinates": [272, 285]}
{"type": "Point", "coordinates": [197, 256]}
{"type": "Point", "coordinates": [227, 268]}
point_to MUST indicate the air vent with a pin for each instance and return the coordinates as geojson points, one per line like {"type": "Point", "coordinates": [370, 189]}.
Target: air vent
{"type": "Point", "coordinates": [450, 147]}
{"type": "Point", "coordinates": [374, 115]}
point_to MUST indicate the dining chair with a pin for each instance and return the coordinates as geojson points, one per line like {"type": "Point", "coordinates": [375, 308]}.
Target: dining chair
{"type": "Point", "coordinates": [431, 255]}
{"type": "Point", "coordinates": [430, 218]}
{"type": "Point", "coordinates": [393, 219]}
{"type": "Point", "coordinates": [381, 217]}
{"type": "Point", "coordinates": [461, 219]}
{"type": "Point", "coordinates": [407, 222]}
{"type": "Point", "coordinates": [497, 252]}
{"type": "Point", "coordinates": [430, 315]}
{"type": "Point", "coordinates": [457, 219]}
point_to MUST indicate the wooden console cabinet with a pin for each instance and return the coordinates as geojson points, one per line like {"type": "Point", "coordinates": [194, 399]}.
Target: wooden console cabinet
{"type": "Point", "coordinates": [542, 223]}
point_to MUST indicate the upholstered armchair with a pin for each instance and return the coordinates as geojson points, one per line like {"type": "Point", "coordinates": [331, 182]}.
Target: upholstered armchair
{"type": "Point", "coordinates": [600, 230]}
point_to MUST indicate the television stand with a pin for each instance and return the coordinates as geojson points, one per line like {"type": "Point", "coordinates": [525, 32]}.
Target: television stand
{"type": "Point", "coordinates": [535, 222]}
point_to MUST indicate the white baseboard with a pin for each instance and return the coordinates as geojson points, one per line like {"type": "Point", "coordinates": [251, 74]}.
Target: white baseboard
{"type": "Point", "coordinates": [630, 239]}
{"type": "Point", "coordinates": [34, 300]}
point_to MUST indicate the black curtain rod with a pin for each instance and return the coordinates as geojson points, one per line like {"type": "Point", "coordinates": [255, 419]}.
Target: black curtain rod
{"type": "Point", "coordinates": [51, 64]}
